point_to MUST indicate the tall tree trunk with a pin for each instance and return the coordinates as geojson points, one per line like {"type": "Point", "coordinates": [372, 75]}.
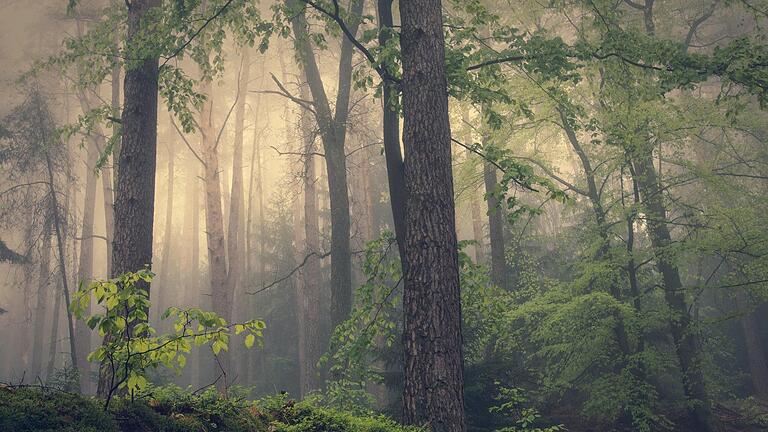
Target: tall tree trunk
{"type": "Point", "coordinates": [758, 368]}
{"type": "Point", "coordinates": [221, 296]}
{"type": "Point", "coordinates": [85, 266]}
{"type": "Point", "coordinates": [135, 179]}
{"type": "Point", "coordinates": [391, 133]}
{"type": "Point", "coordinates": [165, 260]}
{"type": "Point", "coordinates": [434, 380]}
{"type": "Point", "coordinates": [309, 296]}
{"type": "Point", "coordinates": [474, 204]}
{"type": "Point", "coordinates": [61, 239]}
{"type": "Point", "coordinates": [43, 281]}
{"type": "Point", "coordinates": [235, 231]}
{"type": "Point", "coordinates": [333, 133]}
{"type": "Point", "coordinates": [683, 333]}
{"type": "Point", "coordinates": [495, 227]}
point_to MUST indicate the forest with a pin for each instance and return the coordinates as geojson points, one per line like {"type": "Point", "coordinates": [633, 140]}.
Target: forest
{"type": "Point", "coordinates": [383, 215]}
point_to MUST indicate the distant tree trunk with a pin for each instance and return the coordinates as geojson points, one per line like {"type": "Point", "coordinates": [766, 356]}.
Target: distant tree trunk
{"type": "Point", "coordinates": [683, 333]}
{"type": "Point", "coordinates": [309, 296]}
{"type": "Point", "coordinates": [54, 338]}
{"type": "Point", "coordinates": [43, 281]}
{"type": "Point", "coordinates": [221, 295]}
{"type": "Point", "coordinates": [193, 287]}
{"type": "Point", "coordinates": [391, 130]}
{"type": "Point", "coordinates": [333, 133]}
{"type": "Point", "coordinates": [474, 202]}
{"type": "Point", "coordinates": [135, 179]}
{"type": "Point", "coordinates": [165, 260]}
{"type": "Point", "coordinates": [758, 368]}
{"type": "Point", "coordinates": [495, 228]}
{"type": "Point", "coordinates": [59, 228]}
{"type": "Point", "coordinates": [85, 266]}
{"type": "Point", "coordinates": [434, 382]}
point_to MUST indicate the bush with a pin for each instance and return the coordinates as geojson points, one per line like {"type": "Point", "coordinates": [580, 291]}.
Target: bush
{"type": "Point", "coordinates": [172, 409]}
{"type": "Point", "coordinates": [33, 409]}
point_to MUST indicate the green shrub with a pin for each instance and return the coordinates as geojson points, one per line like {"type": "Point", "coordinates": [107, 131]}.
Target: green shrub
{"type": "Point", "coordinates": [32, 409]}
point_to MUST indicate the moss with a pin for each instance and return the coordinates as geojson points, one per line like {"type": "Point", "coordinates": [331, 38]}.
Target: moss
{"type": "Point", "coordinates": [32, 409]}
{"type": "Point", "coordinates": [171, 409]}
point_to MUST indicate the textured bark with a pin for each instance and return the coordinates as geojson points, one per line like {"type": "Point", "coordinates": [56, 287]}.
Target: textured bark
{"type": "Point", "coordinates": [391, 134]}
{"type": "Point", "coordinates": [686, 343]}
{"type": "Point", "coordinates": [41, 307]}
{"type": "Point", "coordinates": [332, 126]}
{"type": "Point", "coordinates": [135, 179]}
{"type": "Point", "coordinates": [434, 383]}
{"type": "Point", "coordinates": [758, 368]}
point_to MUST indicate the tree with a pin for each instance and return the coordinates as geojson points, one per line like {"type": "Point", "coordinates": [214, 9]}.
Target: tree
{"type": "Point", "coordinates": [434, 382]}
{"type": "Point", "coordinates": [135, 179]}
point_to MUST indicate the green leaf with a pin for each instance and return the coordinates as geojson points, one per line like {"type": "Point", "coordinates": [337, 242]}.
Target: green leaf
{"type": "Point", "coordinates": [249, 340]}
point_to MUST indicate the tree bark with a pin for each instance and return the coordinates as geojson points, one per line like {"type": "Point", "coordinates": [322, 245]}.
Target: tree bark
{"type": "Point", "coordinates": [434, 383]}
{"type": "Point", "coordinates": [165, 260]}
{"type": "Point", "coordinates": [135, 179]}
{"type": "Point", "coordinates": [495, 228]}
{"type": "Point", "coordinates": [683, 333]}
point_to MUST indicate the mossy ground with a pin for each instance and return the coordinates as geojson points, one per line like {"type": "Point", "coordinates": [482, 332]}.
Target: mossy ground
{"type": "Point", "coordinates": [170, 409]}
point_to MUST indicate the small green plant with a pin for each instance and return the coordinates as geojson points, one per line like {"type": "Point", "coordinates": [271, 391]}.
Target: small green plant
{"type": "Point", "coordinates": [512, 404]}
{"type": "Point", "coordinates": [132, 347]}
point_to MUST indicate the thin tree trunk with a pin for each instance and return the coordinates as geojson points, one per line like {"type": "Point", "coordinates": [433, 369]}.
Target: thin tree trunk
{"type": "Point", "coordinates": [165, 260]}
{"type": "Point", "coordinates": [221, 296]}
{"type": "Point", "coordinates": [43, 281]}
{"type": "Point", "coordinates": [135, 179]}
{"type": "Point", "coordinates": [434, 382]}
{"type": "Point", "coordinates": [474, 202]}
{"type": "Point", "coordinates": [391, 133]}
{"type": "Point", "coordinates": [495, 228]}
{"type": "Point", "coordinates": [85, 266]}
{"type": "Point", "coordinates": [683, 333]}
{"type": "Point", "coordinates": [53, 341]}
{"type": "Point", "coordinates": [60, 242]}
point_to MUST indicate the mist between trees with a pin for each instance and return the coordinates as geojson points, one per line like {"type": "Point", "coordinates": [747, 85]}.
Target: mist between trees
{"type": "Point", "coordinates": [466, 215]}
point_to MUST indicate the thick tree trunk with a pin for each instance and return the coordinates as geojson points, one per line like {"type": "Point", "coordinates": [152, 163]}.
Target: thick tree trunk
{"type": "Point", "coordinates": [41, 308]}
{"type": "Point", "coordinates": [434, 383]}
{"type": "Point", "coordinates": [758, 368]}
{"type": "Point", "coordinates": [135, 179]}
{"type": "Point", "coordinates": [683, 333]}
